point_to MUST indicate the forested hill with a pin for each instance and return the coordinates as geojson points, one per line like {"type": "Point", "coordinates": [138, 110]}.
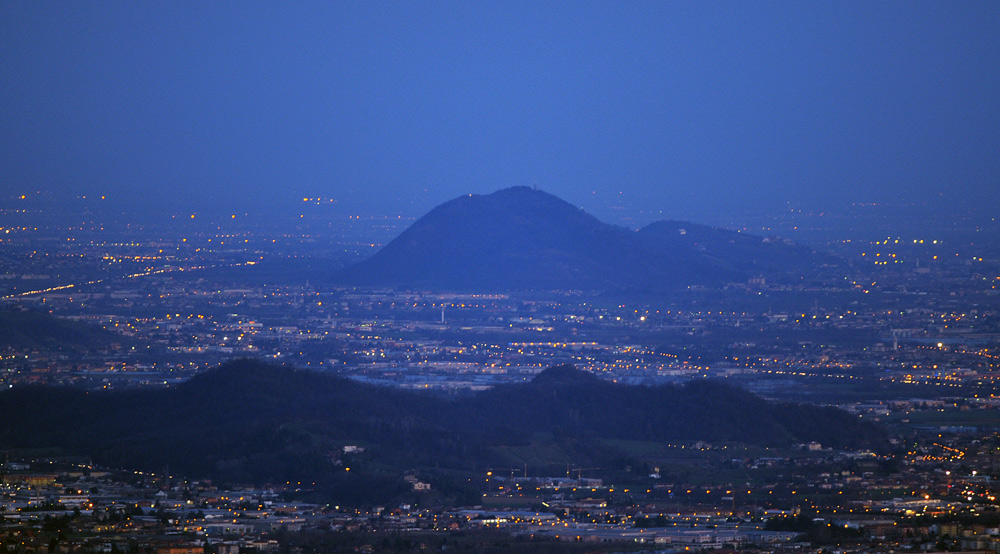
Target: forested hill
{"type": "Point", "coordinates": [524, 239]}
{"type": "Point", "coordinates": [32, 329]}
{"type": "Point", "coordinates": [742, 253]}
{"type": "Point", "coordinates": [249, 421]}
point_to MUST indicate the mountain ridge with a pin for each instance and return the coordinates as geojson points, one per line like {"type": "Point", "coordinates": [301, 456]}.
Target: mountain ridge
{"type": "Point", "coordinates": [253, 422]}
{"type": "Point", "coordinates": [524, 239]}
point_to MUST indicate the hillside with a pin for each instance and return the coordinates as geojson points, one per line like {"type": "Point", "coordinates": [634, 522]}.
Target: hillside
{"type": "Point", "coordinates": [525, 239]}
{"type": "Point", "coordinates": [30, 329]}
{"type": "Point", "coordinates": [252, 422]}
{"type": "Point", "coordinates": [738, 252]}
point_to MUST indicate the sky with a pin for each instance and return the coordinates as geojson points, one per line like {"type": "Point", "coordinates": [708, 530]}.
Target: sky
{"type": "Point", "coordinates": [680, 108]}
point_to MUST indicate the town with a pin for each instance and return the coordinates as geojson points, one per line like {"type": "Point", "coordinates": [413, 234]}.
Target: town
{"type": "Point", "coordinates": [928, 499]}
{"type": "Point", "coordinates": [907, 336]}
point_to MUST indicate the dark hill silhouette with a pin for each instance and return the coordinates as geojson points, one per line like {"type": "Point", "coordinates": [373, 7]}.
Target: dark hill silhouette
{"type": "Point", "coordinates": [525, 239]}
{"type": "Point", "coordinates": [568, 401]}
{"type": "Point", "coordinates": [738, 252]}
{"type": "Point", "coordinates": [513, 239]}
{"type": "Point", "coordinates": [564, 375]}
{"type": "Point", "coordinates": [30, 329]}
{"type": "Point", "coordinates": [252, 422]}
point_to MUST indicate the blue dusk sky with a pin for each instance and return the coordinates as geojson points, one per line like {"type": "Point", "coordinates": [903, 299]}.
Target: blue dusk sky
{"type": "Point", "coordinates": [686, 109]}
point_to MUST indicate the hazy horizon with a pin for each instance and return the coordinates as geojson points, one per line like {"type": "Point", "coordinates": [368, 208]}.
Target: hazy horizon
{"type": "Point", "coordinates": [634, 112]}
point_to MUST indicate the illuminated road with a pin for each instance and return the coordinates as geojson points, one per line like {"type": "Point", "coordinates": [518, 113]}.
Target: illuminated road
{"type": "Point", "coordinates": [132, 276]}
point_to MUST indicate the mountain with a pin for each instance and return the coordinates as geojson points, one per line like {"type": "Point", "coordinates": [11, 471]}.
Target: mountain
{"type": "Point", "coordinates": [571, 402]}
{"type": "Point", "coordinates": [524, 239]}
{"type": "Point", "coordinates": [248, 421]}
{"type": "Point", "coordinates": [730, 250]}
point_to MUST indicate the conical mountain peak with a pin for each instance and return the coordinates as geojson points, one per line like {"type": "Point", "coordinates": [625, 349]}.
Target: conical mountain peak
{"type": "Point", "coordinates": [521, 238]}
